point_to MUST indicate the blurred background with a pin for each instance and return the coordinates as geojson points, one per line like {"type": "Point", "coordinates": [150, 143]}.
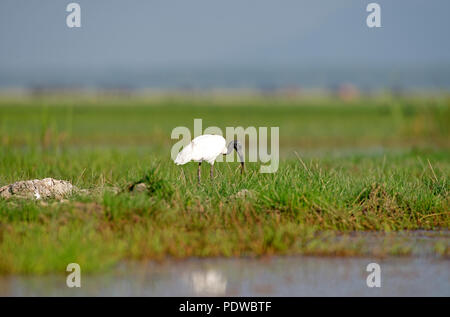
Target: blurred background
{"type": "Point", "coordinates": [296, 46]}
{"type": "Point", "coordinates": [136, 70]}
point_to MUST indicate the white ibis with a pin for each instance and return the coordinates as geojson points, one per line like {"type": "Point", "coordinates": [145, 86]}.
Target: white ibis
{"type": "Point", "coordinates": [207, 148]}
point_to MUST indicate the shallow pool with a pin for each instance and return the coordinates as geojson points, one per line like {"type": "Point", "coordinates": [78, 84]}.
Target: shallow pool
{"type": "Point", "coordinates": [276, 276]}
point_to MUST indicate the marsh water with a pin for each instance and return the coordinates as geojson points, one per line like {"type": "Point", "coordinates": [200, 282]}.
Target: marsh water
{"type": "Point", "coordinates": [280, 276]}
{"type": "Point", "coordinates": [420, 274]}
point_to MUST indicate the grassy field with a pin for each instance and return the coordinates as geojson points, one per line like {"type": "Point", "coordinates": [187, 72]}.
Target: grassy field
{"type": "Point", "coordinates": [371, 164]}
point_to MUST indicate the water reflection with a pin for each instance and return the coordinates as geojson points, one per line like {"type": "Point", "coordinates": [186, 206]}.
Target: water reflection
{"type": "Point", "coordinates": [423, 274]}
{"type": "Point", "coordinates": [208, 283]}
{"type": "Point", "coordinates": [278, 276]}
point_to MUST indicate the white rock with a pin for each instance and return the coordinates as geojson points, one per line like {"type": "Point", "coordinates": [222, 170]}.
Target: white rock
{"type": "Point", "coordinates": [37, 189]}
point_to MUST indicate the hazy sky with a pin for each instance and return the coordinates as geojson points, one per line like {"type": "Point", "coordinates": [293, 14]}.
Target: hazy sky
{"type": "Point", "coordinates": [133, 33]}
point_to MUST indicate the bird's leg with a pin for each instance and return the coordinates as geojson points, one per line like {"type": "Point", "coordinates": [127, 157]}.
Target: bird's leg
{"type": "Point", "coordinates": [199, 171]}
{"type": "Point", "coordinates": [211, 172]}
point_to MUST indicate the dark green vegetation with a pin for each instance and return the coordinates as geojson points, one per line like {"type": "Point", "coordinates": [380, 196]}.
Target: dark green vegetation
{"type": "Point", "coordinates": [379, 164]}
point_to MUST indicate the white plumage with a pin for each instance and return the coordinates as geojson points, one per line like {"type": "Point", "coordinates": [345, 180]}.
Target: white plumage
{"type": "Point", "coordinates": [205, 147]}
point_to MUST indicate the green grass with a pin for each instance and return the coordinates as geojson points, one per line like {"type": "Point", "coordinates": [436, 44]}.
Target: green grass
{"type": "Point", "coordinates": [376, 164]}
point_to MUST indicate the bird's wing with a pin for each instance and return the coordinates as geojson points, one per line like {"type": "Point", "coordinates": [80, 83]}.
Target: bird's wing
{"type": "Point", "coordinates": [207, 147]}
{"type": "Point", "coordinates": [203, 148]}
